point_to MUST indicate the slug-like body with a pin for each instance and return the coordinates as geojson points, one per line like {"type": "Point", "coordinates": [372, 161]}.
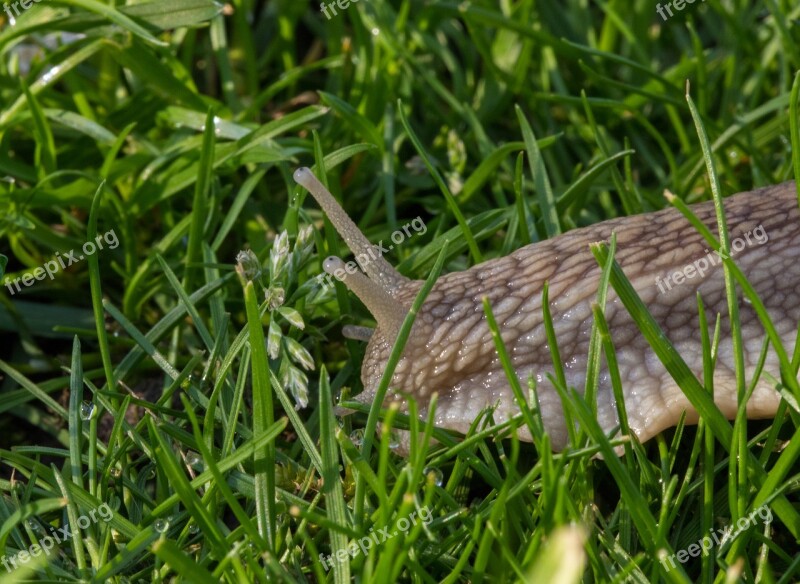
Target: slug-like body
{"type": "Point", "coordinates": [450, 350]}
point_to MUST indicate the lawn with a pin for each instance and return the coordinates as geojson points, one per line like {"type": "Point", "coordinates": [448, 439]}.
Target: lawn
{"type": "Point", "coordinates": [173, 358]}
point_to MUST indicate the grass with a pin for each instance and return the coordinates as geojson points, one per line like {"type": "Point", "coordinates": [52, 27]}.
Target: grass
{"type": "Point", "coordinates": [191, 386]}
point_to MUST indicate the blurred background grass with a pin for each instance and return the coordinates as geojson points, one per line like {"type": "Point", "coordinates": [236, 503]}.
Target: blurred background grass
{"type": "Point", "coordinates": [192, 116]}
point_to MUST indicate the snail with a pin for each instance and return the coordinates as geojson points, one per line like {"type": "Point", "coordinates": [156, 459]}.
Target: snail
{"type": "Point", "coordinates": [450, 350]}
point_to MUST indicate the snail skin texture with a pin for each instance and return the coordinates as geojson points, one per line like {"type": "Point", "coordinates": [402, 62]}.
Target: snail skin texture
{"type": "Point", "coordinates": [450, 349]}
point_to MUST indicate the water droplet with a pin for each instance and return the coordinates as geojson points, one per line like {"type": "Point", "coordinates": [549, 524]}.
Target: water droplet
{"type": "Point", "coordinates": [87, 411]}
{"type": "Point", "coordinates": [375, 31]}
{"type": "Point", "coordinates": [433, 473]}
{"type": "Point", "coordinates": [193, 529]}
{"type": "Point", "coordinates": [357, 437]}
{"type": "Point", "coordinates": [34, 525]}
{"type": "Point", "coordinates": [115, 472]}
{"type": "Point", "coordinates": [193, 459]}
{"type": "Point", "coordinates": [161, 525]}
{"type": "Point", "coordinates": [51, 73]}
{"type": "Point", "coordinates": [394, 440]}
{"type": "Point", "coordinates": [217, 129]}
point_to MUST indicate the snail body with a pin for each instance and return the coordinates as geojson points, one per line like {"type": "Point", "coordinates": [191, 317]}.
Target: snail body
{"type": "Point", "coordinates": [450, 349]}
